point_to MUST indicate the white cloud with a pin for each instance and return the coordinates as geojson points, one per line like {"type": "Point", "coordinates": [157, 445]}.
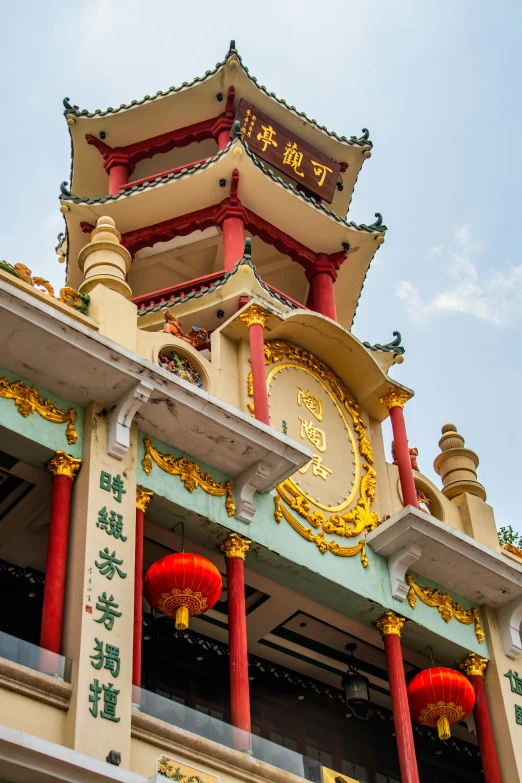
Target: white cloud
{"type": "Point", "coordinates": [488, 295]}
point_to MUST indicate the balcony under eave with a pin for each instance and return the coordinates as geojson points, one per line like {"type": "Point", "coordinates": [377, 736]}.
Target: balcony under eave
{"type": "Point", "coordinates": [260, 192]}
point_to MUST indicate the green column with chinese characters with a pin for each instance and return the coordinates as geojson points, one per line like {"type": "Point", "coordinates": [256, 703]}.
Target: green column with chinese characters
{"type": "Point", "coordinates": [98, 633]}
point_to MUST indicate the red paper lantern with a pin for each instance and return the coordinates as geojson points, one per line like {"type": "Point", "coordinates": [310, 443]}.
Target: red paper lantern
{"type": "Point", "coordinates": [182, 585]}
{"type": "Point", "coordinates": [439, 697]}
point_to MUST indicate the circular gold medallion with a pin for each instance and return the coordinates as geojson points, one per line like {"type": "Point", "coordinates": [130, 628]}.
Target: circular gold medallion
{"type": "Point", "coordinates": [303, 407]}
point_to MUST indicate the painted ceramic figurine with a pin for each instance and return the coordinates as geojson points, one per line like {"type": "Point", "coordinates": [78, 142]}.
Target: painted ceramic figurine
{"type": "Point", "coordinates": [196, 337]}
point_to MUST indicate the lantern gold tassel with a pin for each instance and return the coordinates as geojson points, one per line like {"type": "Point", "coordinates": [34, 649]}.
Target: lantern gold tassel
{"type": "Point", "coordinates": [443, 725]}
{"type": "Point", "coordinates": [182, 619]}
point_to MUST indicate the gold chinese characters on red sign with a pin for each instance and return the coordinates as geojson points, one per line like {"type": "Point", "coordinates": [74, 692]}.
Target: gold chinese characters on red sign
{"type": "Point", "coordinates": [287, 152]}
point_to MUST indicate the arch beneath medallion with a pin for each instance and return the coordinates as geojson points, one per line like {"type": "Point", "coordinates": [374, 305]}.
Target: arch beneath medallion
{"type": "Point", "coordinates": [186, 362]}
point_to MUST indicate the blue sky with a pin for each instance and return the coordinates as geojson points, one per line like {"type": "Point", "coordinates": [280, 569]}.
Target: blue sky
{"type": "Point", "coordinates": [438, 85]}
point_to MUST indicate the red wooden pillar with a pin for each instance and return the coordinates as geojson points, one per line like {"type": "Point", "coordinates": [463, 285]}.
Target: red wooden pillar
{"type": "Point", "coordinates": [223, 126]}
{"type": "Point", "coordinates": [475, 666]}
{"type": "Point", "coordinates": [321, 294]}
{"type": "Point", "coordinates": [119, 168]}
{"type": "Point", "coordinates": [63, 468]}
{"type": "Point", "coordinates": [255, 318]}
{"type": "Point", "coordinates": [394, 401]}
{"type": "Point", "coordinates": [143, 499]}
{"type": "Point", "coordinates": [235, 549]}
{"type": "Point", "coordinates": [390, 627]}
{"type": "Point", "coordinates": [233, 230]}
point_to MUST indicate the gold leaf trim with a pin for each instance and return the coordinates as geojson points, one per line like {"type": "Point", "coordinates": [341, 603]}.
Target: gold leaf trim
{"type": "Point", "coordinates": [190, 474]}
{"type": "Point", "coordinates": [447, 607]}
{"type": "Point", "coordinates": [277, 350]}
{"type": "Point", "coordinates": [28, 400]}
{"type": "Point", "coordinates": [319, 539]}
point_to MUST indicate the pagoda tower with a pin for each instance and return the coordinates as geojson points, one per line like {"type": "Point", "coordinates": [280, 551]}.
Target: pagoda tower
{"type": "Point", "coordinates": [189, 173]}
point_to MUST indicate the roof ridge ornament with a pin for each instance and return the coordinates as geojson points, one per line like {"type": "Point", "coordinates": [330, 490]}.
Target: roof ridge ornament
{"type": "Point", "coordinates": [393, 345]}
{"type": "Point", "coordinates": [377, 223]}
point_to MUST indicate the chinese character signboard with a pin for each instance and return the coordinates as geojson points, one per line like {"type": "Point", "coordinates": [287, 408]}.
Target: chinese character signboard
{"type": "Point", "coordinates": [287, 152]}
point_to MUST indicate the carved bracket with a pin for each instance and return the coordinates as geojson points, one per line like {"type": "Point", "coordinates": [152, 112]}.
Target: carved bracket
{"type": "Point", "coordinates": [121, 416]}
{"type": "Point", "coordinates": [510, 619]}
{"type": "Point", "coordinates": [246, 485]}
{"type": "Point", "coordinates": [398, 564]}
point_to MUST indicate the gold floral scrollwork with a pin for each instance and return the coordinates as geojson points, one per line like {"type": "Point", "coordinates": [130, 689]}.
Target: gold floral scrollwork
{"type": "Point", "coordinates": [396, 398]}
{"type": "Point", "coordinates": [62, 464]}
{"type": "Point", "coordinates": [255, 315]}
{"type": "Point", "coordinates": [250, 392]}
{"type": "Point", "coordinates": [143, 498]}
{"type": "Point", "coordinates": [473, 665]}
{"type": "Point", "coordinates": [190, 474]}
{"type": "Point", "coordinates": [27, 399]}
{"type": "Point", "coordinates": [319, 539]}
{"type": "Point", "coordinates": [390, 624]}
{"type": "Point", "coordinates": [359, 518]}
{"type": "Point", "coordinates": [447, 607]}
{"type": "Point", "coordinates": [235, 546]}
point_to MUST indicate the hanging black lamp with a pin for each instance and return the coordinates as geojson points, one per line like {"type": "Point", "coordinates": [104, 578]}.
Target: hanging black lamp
{"type": "Point", "coordinates": [356, 689]}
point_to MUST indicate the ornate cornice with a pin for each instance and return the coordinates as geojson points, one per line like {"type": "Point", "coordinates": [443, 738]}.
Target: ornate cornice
{"type": "Point", "coordinates": [235, 546]}
{"type": "Point", "coordinates": [63, 464]}
{"type": "Point", "coordinates": [447, 607]}
{"type": "Point", "coordinates": [143, 498]}
{"type": "Point", "coordinates": [473, 665]}
{"type": "Point", "coordinates": [190, 474]}
{"type": "Point", "coordinates": [390, 624]}
{"type": "Point", "coordinates": [395, 399]}
{"type": "Point", "coordinates": [255, 315]}
{"type": "Point", "coordinates": [27, 399]}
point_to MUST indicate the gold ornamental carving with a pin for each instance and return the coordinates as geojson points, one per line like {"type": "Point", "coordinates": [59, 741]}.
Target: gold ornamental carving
{"type": "Point", "coordinates": [28, 400]}
{"type": "Point", "coordinates": [447, 607]}
{"type": "Point", "coordinates": [395, 399]}
{"type": "Point", "coordinates": [235, 546]}
{"type": "Point", "coordinates": [255, 315]}
{"type": "Point", "coordinates": [473, 665]}
{"type": "Point", "coordinates": [143, 498]}
{"type": "Point", "coordinates": [63, 464]}
{"type": "Point", "coordinates": [190, 474]}
{"type": "Point", "coordinates": [390, 624]}
{"type": "Point", "coordinates": [323, 408]}
{"type": "Point", "coordinates": [319, 539]}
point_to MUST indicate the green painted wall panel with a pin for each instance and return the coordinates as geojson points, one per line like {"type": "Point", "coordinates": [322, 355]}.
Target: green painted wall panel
{"type": "Point", "coordinates": [34, 427]}
{"type": "Point", "coordinates": [339, 582]}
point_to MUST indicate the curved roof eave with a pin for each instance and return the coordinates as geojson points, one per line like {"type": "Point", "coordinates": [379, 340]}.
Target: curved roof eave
{"type": "Point", "coordinates": [352, 362]}
{"type": "Point", "coordinates": [362, 141]}
{"type": "Point", "coordinates": [374, 228]}
{"type": "Point", "coordinates": [320, 230]}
